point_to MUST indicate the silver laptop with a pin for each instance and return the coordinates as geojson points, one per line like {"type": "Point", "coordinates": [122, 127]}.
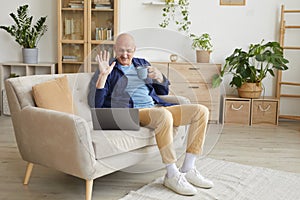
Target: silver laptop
{"type": "Point", "coordinates": [115, 118]}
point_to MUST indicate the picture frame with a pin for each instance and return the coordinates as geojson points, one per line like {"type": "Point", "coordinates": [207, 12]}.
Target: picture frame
{"type": "Point", "coordinates": [232, 2]}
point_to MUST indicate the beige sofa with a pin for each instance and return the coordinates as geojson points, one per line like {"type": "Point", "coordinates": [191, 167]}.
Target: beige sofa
{"type": "Point", "coordinates": [67, 142]}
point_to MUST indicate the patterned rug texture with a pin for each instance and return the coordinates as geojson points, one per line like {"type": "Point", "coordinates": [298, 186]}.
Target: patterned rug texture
{"type": "Point", "coordinates": [232, 182]}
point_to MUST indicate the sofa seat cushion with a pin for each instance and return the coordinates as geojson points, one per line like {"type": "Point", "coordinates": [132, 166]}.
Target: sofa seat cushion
{"type": "Point", "coordinates": [110, 143]}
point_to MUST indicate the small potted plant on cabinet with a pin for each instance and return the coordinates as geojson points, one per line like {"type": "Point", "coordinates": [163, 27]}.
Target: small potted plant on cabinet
{"type": "Point", "coordinates": [25, 34]}
{"type": "Point", "coordinates": [249, 68]}
{"type": "Point", "coordinates": [202, 45]}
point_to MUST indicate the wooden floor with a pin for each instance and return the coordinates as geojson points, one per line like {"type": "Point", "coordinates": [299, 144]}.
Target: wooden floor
{"type": "Point", "coordinates": [276, 147]}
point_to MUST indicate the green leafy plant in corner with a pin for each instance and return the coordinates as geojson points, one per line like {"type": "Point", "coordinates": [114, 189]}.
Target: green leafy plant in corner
{"type": "Point", "coordinates": [202, 42]}
{"type": "Point", "coordinates": [177, 12]}
{"type": "Point", "coordinates": [26, 34]}
{"type": "Point", "coordinates": [254, 65]}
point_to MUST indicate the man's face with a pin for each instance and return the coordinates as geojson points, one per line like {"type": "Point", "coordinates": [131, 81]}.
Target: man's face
{"type": "Point", "coordinates": [124, 50]}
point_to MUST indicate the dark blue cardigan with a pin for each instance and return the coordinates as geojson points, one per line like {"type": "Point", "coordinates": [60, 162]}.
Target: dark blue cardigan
{"type": "Point", "coordinates": [113, 95]}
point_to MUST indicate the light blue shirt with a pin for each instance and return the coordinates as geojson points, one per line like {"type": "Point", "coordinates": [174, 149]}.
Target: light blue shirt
{"type": "Point", "coordinates": [137, 89]}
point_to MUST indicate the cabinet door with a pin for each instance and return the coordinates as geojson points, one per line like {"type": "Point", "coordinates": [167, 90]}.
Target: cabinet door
{"type": "Point", "coordinates": [72, 36]}
{"type": "Point", "coordinates": [102, 29]}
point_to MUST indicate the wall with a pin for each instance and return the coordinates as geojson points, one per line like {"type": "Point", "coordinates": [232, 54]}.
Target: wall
{"type": "Point", "coordinates": [10, 50]}
{"type": "Point", "coordinates": [229, 26]}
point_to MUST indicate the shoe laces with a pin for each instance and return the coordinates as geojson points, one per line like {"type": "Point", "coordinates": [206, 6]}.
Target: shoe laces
{"type": "Point", "coordinates": [181, 179]}
{"type": "Point", "coordinates": [197, 173]}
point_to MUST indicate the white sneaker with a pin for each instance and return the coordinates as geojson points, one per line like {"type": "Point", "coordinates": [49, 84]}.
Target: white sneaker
{"type": "Point", "coordinates": [194, 177]}
{"type": "Point", "coordinates": [180, 185]}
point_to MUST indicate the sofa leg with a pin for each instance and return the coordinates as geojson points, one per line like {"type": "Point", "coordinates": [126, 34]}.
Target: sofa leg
{"type": "Point", "coordinates": [89, 189]}
{"type": "Point", "coordinates": [28, 173]}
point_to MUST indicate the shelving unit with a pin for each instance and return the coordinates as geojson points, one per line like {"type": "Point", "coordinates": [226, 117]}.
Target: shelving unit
{"type": "Point", "coordinates": [282, 86]}
{"type": "Point", "coordinates": [80, 25]}
{"type": "Point", "coordinates": [20, 69]}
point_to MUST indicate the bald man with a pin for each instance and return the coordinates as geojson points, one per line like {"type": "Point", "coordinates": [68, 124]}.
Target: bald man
{"type": "Point", "coordinates": [115, 84]}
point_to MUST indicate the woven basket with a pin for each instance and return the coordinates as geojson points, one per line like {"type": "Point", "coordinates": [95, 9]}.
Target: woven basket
{"type": "Point", "coordinates": [250, 90]}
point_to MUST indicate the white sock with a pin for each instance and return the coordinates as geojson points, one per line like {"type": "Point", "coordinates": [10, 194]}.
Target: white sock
{"type": "Point", "coordinates": [189, 162]}
{"type": "Point", "coordinates": [172, 170]}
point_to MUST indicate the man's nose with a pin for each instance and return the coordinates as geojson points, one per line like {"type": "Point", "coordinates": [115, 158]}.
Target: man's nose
{"type": "Point", "coordinates": [125, 55]}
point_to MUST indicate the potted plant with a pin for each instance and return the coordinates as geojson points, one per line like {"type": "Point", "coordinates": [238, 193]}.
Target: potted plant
{"type": "Point", "coordinates": [178, 12]}
{"type": "Point", "coordinates": [202, 45]}
{"type": "Point", "coordinates": [25, 34]}
{"type": "Point", "coordinates": [249, 68]}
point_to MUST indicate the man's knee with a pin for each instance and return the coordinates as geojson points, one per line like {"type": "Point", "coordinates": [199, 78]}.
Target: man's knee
{"type": "Point", "coordinates": [202, 110]}
{"type": "Point", "coordinates": [164, 116]}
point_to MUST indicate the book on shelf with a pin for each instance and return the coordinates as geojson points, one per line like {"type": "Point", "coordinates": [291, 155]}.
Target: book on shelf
{"type": "Point", "coordinates": [101, 1]}
{"type": "Point", "coordinates": [69, 58]}
{"type": "Point", "coordinates": [76, 4]}
{"type": "Point", "coordinates": [102, 6]}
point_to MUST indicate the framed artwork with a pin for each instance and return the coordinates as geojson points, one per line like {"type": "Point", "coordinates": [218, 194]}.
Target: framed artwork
{"type": "Point", "coordinates": [233, 2]}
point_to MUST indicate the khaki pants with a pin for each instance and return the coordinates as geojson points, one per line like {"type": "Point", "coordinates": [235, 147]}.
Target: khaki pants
{"type": "Point", "coordinates": [162, 120]}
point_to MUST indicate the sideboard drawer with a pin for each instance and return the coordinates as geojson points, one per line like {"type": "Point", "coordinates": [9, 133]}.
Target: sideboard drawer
{"type": "Point", "coordinates": [192, 72]}
{"type": "Point", "coordinates": [264, 111]}
{"type": "Point", "coordinates": [237, 111]}
{"type": "Point", "coordinates": [196, 92]}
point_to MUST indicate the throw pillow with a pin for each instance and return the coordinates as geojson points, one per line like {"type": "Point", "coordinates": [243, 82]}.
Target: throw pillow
{"type": "Point", "coordinates": [54, 94]}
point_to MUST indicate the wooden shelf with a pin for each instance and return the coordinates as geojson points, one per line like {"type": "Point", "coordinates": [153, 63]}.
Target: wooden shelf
{"type": "Point", "coordinates": [72, 41]}
{"type": "Point", "coordinates": [102, 10]}
{"type": "Point", "coordinates": [20, 69]}
{"type": "Point", "coordinates": [78, 29]}
{"type": "Point", "coordinates": [72, 9]}
{"type": "Point", "coordinates": [102, 42]}
{"type": "Point", "coordinates": [157, 3]}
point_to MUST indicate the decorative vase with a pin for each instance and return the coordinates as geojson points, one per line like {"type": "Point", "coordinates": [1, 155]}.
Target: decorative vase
{"type": "Point", "coordinates": [250, 90]}
{"type": "Point", "coordinates": [203, 56]}
{"type": "Point", "coordinates": [173, 57]}
{"type": "Point", "coordinates": [30, 55]}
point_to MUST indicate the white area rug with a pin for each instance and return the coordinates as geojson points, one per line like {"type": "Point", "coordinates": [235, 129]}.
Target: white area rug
{"type": "Point", "coordinates": [232, 182]}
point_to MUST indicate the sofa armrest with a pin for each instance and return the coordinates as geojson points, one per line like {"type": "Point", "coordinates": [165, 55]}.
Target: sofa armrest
{"type": "Point", "coordinates": [56, 139]}
{"type": "Point", "coordinates": [175, 99]}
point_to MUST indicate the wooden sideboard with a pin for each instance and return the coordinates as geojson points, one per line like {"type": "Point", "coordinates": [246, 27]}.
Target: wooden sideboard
{"type": "Point", "coordinates": [194, 81]}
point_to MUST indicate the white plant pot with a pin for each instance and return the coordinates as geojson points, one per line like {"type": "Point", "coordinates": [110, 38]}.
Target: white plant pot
{"type": "Point", "coordinates": [30, 55]}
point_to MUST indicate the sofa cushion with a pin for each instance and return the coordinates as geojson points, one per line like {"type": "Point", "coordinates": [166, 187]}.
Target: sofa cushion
{"type": "Point", "coordinates": [54, 94]}
{"type": "Point", "coordinates": [110, 143]}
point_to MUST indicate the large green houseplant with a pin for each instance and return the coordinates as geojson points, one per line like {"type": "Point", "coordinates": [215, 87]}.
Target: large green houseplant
{"type": "Point", "coordinates": [203, 46]}
{"type": "Point", "coordinates": [252, 67]}
{"type": "Point", "coordinates": [178, 12]}
{"type": "Point", "coordinates": [25, 33]}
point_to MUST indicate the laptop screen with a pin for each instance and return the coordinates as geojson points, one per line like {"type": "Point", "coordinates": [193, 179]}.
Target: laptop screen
{"type": "Point", "coordinates": [115, 118]}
